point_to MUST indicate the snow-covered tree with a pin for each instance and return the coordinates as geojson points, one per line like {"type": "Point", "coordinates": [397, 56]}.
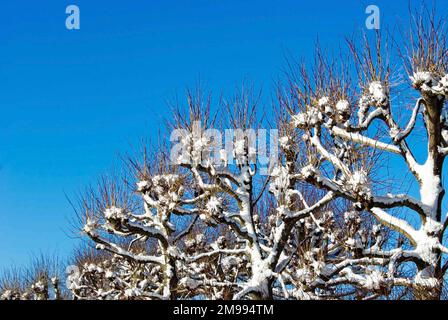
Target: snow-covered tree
{"type": "Point", "coordinates": [350, 127]}
{"type": "Point", "coordinates": [259, 236]}
{"type": "Point", "coordinates": [143, 234]}
{"type": "Point", "coordinates": [41, 280]}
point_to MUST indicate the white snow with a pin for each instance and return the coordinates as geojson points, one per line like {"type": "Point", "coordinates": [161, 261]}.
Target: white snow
{"type": "Point", "coordinates": [359, 182]}
{"type": "Point", "coordinates": [90, 227]}
{"type": "Point", "coordinates": [279, 182]}
{"type": "Point", "coordinates": [300, 120]}
{"type": "Point", "coordinates": [308, 171]}
{"type": "Point", "coordinates": [142, 185]}
{"type": "Point", "coordinates": [285, 143]}
{"type": "Point", "coordinates": [223, 156]}
{"type": "Point", "coordinates": [378, 93]}
{"type": "Point", "coordinates": [343, 106]}
{"type": "Point", "coordinates": [311, 117]}
{"type": "Point", "coordinates": [424, 81]}
{"type": "Point", "coordinates": [113, 213]}
{"type": "Point", "coordinates": [214, 205]}
{"type": "Point", "coordinates": [323, 102]}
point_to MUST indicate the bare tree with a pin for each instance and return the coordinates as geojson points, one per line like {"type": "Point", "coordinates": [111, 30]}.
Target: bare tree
{"type": "Point", "coordinates": [339, 123]}
{"type": "Point", "coordinates": [41, 280]}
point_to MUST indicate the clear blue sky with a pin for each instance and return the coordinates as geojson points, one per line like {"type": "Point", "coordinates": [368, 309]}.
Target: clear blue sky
{"type": "Point", "coordinates": [70, 101]}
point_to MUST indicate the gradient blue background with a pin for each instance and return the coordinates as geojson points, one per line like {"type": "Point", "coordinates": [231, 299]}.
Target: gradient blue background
{"type": "Point", "coordinates": [70, 101]}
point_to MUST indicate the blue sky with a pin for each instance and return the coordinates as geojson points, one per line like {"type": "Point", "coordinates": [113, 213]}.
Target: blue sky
{"type": "Point", "coordinates": [71, 101]}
